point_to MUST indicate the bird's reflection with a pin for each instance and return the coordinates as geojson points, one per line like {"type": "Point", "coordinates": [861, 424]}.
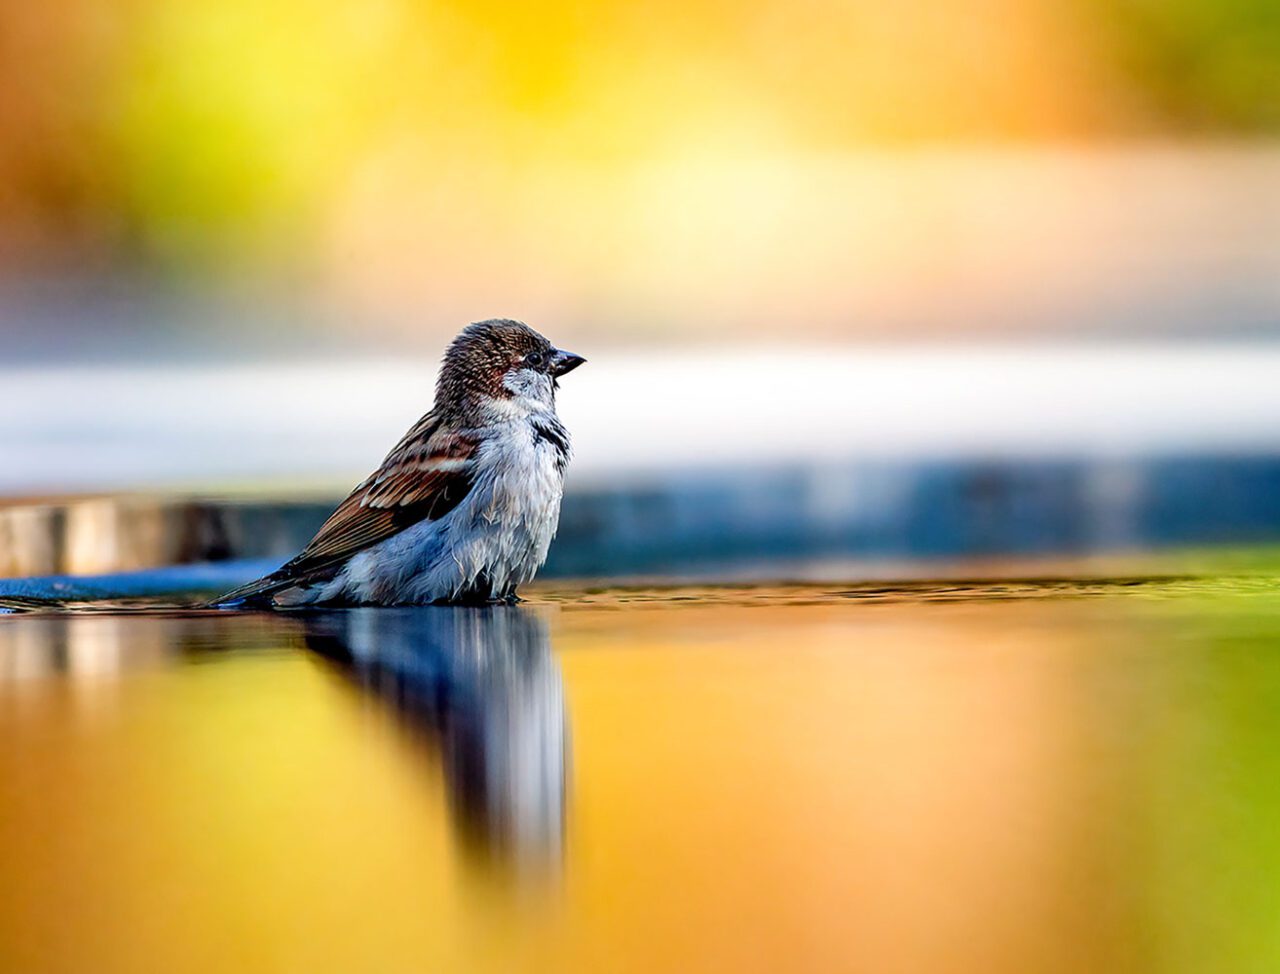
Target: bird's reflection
{"type": "Point", "coordinates": [483, 682]}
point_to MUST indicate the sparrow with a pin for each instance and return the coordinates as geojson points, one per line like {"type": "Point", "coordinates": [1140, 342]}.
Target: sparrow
{"type": "Point", "coordinates": [463, 509]}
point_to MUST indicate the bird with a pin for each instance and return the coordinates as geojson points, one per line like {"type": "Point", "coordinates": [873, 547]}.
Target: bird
{"type": "Point", "coordinates": [463, 509]}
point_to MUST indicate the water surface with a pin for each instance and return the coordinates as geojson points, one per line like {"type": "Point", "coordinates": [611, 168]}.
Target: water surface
{"type": "Point", "coordinates": [936, 777]}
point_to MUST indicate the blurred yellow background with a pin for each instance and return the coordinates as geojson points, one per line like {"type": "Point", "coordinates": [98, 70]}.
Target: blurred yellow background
{"type": "Point", "coordinates": [390, 169]}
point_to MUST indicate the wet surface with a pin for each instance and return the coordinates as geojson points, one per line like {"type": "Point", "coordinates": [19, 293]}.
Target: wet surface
{"type": "Point", "coordinates": [1040, 775]}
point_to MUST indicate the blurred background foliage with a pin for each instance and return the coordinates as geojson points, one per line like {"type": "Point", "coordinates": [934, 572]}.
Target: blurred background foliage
{"type": "Point", "coordinates": [227, 175]}
{"type": "Point", "coordinates": [185, 132]}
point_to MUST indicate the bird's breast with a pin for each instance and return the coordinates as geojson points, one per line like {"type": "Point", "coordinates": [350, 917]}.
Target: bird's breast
{"type": "Point", "coordinates": [525, 474]}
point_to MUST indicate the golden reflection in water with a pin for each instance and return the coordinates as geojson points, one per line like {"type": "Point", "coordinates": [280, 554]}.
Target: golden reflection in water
{"type": "Point", "coordinates": [816, 787]}
{"type": "Point", "coordinates": [482, 688]}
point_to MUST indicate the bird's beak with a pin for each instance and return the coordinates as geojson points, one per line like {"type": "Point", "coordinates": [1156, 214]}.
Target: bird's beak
{"type": "Point", "coordinates": [564, 362]}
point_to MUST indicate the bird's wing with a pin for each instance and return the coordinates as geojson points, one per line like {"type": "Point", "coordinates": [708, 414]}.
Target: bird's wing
{"type": "Point", "coordinates": [425, 477]}
{"type": "Point", "coordinates": [422, 479]}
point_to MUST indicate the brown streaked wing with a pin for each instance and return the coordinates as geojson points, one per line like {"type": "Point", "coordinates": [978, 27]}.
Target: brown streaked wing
{"type": "Point", "coordinates": [425, 477]}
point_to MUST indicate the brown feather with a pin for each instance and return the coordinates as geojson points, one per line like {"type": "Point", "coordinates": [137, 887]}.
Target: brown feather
{"type": "Point", "coordinates": [425, 477]}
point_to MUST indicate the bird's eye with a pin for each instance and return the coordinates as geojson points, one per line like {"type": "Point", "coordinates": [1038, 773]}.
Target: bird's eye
{"type": "Point", "coordinates": [534, 359]}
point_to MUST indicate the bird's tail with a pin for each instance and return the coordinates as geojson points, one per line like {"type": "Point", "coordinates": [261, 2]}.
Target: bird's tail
{"type": "Point", "coordinates": [255, 593]}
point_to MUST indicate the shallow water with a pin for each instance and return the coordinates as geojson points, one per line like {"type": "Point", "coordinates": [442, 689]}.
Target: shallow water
{"type": "Point", "coordinates": [933, 777]}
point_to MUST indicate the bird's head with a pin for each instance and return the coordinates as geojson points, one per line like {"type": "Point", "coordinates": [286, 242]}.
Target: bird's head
{"type": "Point", "coordinates": [504, 363]}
